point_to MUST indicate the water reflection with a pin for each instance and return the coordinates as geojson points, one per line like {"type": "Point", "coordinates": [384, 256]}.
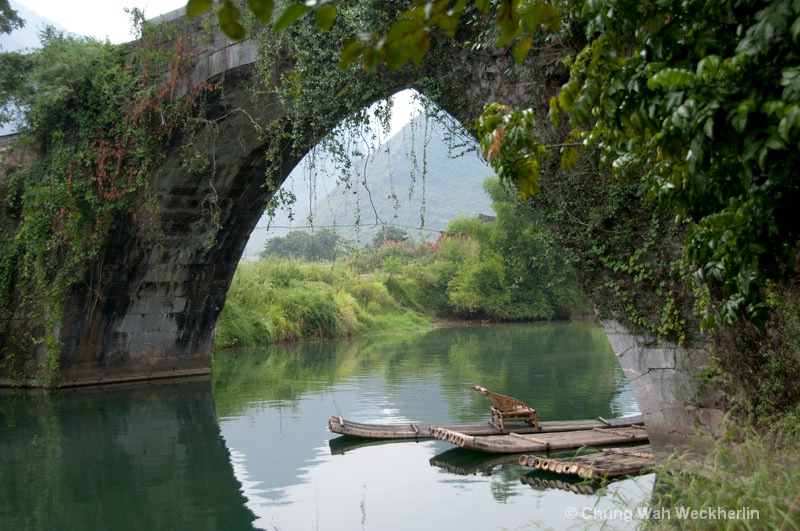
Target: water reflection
{"type": "Point", "coordinates": [141, 457]}
{"type": "Point", "coordinates": [258, 454]}
{"type": "Point", "coordinates": [274, 404]}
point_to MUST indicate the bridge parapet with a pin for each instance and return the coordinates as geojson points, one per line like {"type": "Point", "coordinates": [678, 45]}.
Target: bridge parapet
{"type": "Point", "coordinates": [213, 53]}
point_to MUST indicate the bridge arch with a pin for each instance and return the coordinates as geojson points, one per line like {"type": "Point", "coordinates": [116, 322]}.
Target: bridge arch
{"type": "Point", "coordinates": [158, 290]}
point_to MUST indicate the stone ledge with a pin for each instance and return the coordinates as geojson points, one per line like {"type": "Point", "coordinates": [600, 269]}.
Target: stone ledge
{"type": "Point", "coordinates": [110, 380]}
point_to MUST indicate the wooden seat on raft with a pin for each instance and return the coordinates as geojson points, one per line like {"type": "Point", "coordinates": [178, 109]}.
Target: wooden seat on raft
{"type": "Point", "coordinates": [506, 408]}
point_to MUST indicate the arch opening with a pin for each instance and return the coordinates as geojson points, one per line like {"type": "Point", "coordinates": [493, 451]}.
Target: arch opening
{"type": "Point", "coordinates": [366, 177]}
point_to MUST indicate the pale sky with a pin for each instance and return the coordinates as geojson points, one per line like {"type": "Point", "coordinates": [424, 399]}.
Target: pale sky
{"type": "Point", "coordinates": [99, 18]}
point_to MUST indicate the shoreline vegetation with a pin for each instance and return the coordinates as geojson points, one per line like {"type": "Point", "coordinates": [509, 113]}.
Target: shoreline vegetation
{"type": "Point", "coordinates": [317, 285]}
{"type": "Point", "coordinates": [286, 300]}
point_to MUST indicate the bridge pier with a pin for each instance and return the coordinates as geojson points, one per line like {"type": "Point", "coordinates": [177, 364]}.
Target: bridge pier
{"type": "Point", "coordinates": [150, 304]}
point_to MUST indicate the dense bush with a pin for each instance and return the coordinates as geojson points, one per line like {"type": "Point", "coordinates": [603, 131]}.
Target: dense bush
{"type": "Point", "coordinates": [759, 367]}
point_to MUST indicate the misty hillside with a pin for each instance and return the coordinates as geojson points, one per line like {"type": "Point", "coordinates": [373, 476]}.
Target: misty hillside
{"type": "Point", "coordinates": [418, 181]}
{"type": "Point", "coordinates": [22, 40]}
{"type": "Point", "coordinates": [27, 37]}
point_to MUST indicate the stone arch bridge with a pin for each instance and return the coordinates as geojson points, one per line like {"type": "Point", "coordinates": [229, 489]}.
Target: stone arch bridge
{"type": "Point", "coordinates": [153, 308]}
{"type": "Point", "coordinates": [157, 294]}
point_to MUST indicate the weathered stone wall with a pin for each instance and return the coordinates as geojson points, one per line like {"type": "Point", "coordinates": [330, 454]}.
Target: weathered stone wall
{"type": "Point", "coordinates": [156, 293]}
{"type": "Point", "coordinates": [668, 389]}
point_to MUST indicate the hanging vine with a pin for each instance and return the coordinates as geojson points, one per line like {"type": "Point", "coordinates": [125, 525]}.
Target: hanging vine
{"type": "Point", "coordinates": [96, 118]}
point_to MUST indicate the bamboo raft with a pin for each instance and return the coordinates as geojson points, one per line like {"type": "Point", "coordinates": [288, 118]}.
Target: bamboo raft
{"type": "Point", "coordinates": [608, 463]}
{"type": "Point", "coordinates": [543, 442]}
{"type": "Point", "coordinates": [412, 430]}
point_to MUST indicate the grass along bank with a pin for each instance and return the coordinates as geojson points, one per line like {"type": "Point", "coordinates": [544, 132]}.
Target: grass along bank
{"type": "Point", "coordinates": [279, 300]}
{"type": "Point", "coordinates": [752, 471]}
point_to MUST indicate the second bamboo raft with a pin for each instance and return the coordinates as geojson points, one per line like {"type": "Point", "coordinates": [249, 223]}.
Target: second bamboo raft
{"type": "Point", "coordinates": [608, 463]}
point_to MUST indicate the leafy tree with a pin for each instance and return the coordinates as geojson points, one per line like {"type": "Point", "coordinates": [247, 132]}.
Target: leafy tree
{"type": "Point", "coordinates": [513, 270]}
{"type": "Point", "coordinates": [699, 100]}
{"type": "Point", "coordinates": [15, 70]}
{"type": "Point", "coordinates": [389, 233]}
{"type": "Point", "coordinates": [322, 244]}
{"type": "Point", "coordinates": [9, 18]}
{"type": "Point", "coordinates": [14, 67]}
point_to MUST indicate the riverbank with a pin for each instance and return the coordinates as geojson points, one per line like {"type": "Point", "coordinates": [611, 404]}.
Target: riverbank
{"type": "Point", "coordinates": [275, 301]}
{"type": "Point", "coordinates": [282, 300]}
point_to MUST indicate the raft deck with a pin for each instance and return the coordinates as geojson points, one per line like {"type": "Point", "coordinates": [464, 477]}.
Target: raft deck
{"type": "Point", "coordinates": [543, 442]}
{"type": "Point", "coordinates": [608, 463]}
{"type": "Point", "coordinates": [412, 430]}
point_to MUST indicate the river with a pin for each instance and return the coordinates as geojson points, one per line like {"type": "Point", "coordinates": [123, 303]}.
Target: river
{"type": "Point", "coordinates": [250, 448]}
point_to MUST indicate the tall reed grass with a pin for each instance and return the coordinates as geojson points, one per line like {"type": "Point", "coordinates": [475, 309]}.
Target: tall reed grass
{"type": "Point", "coordinates": [272, 301]}
{"type": "Point", "coordinates": [754, 472]}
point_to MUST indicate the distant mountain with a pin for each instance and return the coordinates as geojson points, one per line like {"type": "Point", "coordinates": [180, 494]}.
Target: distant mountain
{"type": "Point", "coordinates": [27, 37]}
{"type": "Point", "coordinates": [419, 180]}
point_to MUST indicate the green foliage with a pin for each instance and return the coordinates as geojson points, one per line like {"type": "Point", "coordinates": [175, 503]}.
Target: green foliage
{"type": "Point", "coordinates": [743, 469]}
{"type": "Point", "coordinates": [759, 368]}
{"type": "Point", "coordinates": [274, 300]}
{"type": "Point", "coordinates": [509, 269]}
{"type": "Point", "coordinates": [396, 253]}
{"type": "Point", "coordinates": [90, 144]}
{"type": "Point", "coordinates": [701, 104]}
{"type": "Point", "coordinates": [9, 18]}
{"type": "Point", "coordinates": [322, 244]}
{"type": "Point", "coordinates": [389, 233]}
{"type": "Point", "coordinates": [508, 144]}
{"type": "Point", "coordinates": [15, 70]}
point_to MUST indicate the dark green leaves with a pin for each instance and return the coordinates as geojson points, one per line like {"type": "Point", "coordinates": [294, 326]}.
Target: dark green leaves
{"type": "Point", "coordinates": [290, 15]}
{"type": "Point", "coordinates": [508, 144]}
{"type": "Point", "coordinates": [196, 8]}
{"type": "Point", "coordinates": [229, 21]}
{"type": "Point", "coordinates": [712, 132]}
{"type": "Point", "coordinates": [262, 9]}
{"type": "Point", "coordinates": [325, 16]}
{"type": "Point", "coordinates": [229, 15]}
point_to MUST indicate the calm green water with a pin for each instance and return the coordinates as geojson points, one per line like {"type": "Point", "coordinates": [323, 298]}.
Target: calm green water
{"type": "Point", "coordinates": [251, 449]}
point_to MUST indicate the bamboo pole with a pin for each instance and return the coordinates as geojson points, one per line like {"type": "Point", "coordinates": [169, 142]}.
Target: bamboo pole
{"type": "Point", "coordinates": [633, 452]}
{"type": "Point", "coordinates": [619, 432]}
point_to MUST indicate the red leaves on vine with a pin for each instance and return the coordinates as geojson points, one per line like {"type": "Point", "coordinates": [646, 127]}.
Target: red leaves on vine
{"type": "Point", "coordinates": [114, 179]}
{"type": "Point", "coordinates": [155, 106]}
